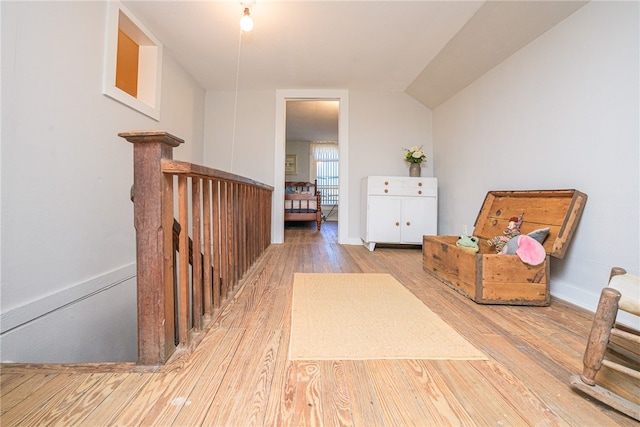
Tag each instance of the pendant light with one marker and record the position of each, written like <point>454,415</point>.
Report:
<point>246,23</point>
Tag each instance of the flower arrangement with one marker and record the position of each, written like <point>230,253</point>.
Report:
<point>415,155</point>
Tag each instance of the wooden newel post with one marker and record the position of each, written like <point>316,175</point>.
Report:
<point>153,221</point>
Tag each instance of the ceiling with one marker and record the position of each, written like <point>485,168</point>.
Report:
<point>427,48</point>
<point>312,120</point>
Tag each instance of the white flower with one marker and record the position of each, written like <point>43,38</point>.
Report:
<point>415,154</point>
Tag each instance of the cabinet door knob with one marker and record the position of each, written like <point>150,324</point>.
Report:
<point>386,183</point>
<point>397,224</point>
<point>419,191</point>
<point>419,184</point>
<point>408,223</point>
<point>386,190</point>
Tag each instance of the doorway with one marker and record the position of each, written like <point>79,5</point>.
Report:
<point>311,142</point>
<point>282,97</point>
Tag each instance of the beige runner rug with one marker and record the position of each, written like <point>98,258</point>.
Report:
<point>367,316</point>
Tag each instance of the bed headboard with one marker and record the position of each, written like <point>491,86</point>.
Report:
<point>291,187</point>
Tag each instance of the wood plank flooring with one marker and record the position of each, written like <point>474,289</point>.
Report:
<point>239,375</point>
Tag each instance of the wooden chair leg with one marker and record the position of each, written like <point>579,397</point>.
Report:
<point>603,322</point>
<point>594,357</point>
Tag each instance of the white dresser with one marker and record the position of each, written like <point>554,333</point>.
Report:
<point>398,210</point>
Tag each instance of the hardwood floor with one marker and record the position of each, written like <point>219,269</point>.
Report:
<point>239,375</point>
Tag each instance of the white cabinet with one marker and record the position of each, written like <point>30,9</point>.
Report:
<point>398,210</point>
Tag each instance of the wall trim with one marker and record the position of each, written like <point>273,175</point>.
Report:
<point>588,300</point>
<point>277,215</point>
<point>36,309</point>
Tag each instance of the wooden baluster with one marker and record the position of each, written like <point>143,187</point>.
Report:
<point>261,216</point>
<point>255,228</point>
<point>244,239</point>
<point>224,242</point>
<point>265,214</point>
<point>253,237</point>
<point>183,261</point>
<point>207,265</point>
<point>217,271</point>
<point>240,236</point>
<point>266,218</point>
<point>236,235</point>
<point>246,224</point>
<point>246,243</point>
<point>230,235</point>
<point>196,269</point>
<point>240,242</point>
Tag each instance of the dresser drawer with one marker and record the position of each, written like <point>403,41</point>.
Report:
<point>419,192</point>
<point>384,181</point>
<point>402,186</point>
<point>386,191</point>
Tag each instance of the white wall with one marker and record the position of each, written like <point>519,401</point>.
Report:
<point>561,113</point>
<point>380,125</point>
<point>246,148</point>
<point>301,149</point>
<point>68,248</point>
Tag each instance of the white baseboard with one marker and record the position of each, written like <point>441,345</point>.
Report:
<point>589,301</point>
<point>21,315</point>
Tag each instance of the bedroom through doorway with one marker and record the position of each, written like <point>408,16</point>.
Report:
<point>312,149</point>
<point>282,98</point>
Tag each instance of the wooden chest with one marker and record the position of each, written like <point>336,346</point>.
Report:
<point>490,278</point>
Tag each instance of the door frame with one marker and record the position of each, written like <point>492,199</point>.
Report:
<point>282,96</point>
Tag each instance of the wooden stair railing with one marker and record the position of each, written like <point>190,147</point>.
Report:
<point>225,218</point>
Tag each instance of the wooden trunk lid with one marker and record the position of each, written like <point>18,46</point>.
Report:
<point>560,210</point>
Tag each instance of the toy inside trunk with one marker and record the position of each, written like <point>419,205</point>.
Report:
<point>490,278</point>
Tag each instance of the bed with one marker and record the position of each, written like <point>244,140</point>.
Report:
<point>302,202</point>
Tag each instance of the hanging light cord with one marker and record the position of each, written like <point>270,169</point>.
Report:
<point>235,101</point>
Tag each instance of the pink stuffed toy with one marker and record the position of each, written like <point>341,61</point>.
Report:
<point>528,247</point>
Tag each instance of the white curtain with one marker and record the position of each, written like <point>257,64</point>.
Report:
<point>321,152</point>
<point>324,151</point>
<point>324,168</point>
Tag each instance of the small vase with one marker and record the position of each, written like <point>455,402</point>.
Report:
<point>415,169</point>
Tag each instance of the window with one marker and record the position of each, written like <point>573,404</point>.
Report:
<point>127,64</point>
<point>324,157</point>
<point>133,64</point>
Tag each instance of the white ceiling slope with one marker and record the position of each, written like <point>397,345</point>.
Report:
<point>495,32</point>
<point>431,49</point>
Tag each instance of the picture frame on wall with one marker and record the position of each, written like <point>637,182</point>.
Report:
<point>291,164</point>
